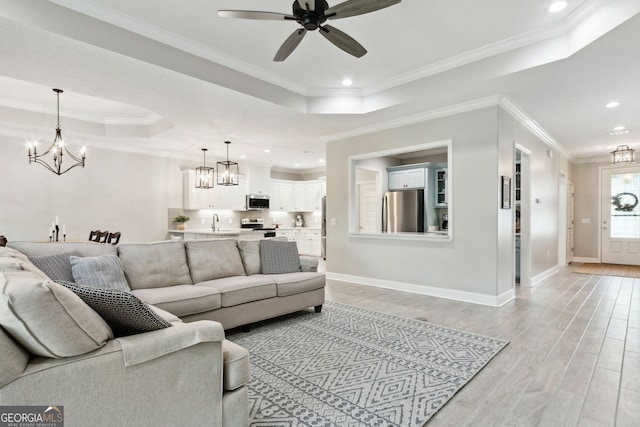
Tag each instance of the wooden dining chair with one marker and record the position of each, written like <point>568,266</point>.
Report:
<point>114,238</point>
<point>94,235</point>
<point>103,236</point>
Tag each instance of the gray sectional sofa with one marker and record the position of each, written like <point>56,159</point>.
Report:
<point>55,350</point>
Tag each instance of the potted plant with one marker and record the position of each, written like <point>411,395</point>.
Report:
<point>181,220</point>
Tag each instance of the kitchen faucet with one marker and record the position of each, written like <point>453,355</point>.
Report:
<point>215,225</point>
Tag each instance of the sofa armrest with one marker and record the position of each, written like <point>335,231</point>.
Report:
<point>142,348</point>
<point>182,387</point>
<point>308,263</point>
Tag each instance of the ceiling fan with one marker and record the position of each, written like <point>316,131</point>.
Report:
<point>311,15</point>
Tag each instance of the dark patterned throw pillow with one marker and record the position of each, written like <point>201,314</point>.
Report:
<point>125,313</point>
<point>278,257</point>
<point>57,267</point>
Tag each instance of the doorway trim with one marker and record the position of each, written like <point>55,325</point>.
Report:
<point>563,220</point>
<point>525,215</point>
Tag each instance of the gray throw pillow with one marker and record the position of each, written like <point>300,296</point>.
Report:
<point>57,267</point>
<point>279,257</point>
<point>103,271</point>
<point>125,313</point>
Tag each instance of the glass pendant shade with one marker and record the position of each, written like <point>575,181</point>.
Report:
<point>57,150</point>
<point>623,154</point>
<point>227,171</point>
<point>204,174</point>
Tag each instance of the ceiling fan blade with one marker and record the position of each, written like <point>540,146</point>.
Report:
<point>303,4</point>
<point>290,44</point>
<point>357,7</point>
<point>250,14</point>
<point>343,41</point>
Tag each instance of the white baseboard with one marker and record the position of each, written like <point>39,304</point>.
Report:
<point>452,294</point>
<point>537,279</point>
<point>585,259</point>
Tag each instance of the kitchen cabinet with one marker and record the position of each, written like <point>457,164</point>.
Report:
<point>441,190</point>
<point>232,197</point>
<point>296,196</point>
<point>259,179</point>
<point>308,241</point>
<point>403,179</point>
<point>219,197</point>
<point>195,198</point>
<point>281,196</point>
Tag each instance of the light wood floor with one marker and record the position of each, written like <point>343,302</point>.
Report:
<point>573,360</point>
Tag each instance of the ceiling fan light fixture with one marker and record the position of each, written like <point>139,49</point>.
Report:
<point>623,154</point>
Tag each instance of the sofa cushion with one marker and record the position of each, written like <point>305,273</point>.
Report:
<point>99,272</point>
<point>181,300</point>
<point>13,359</point>
<point>238,290</point>
<point>250,254</point>
<point>213,259</point>
<point>53,248</point>
<point>48,319</point>
<point>237,369</point>
<point>57,267</point>
<point>297,283</point>
<point>279,257</point>
<point>10,263</point>
<point>154,265</point>
<point>123,311</point>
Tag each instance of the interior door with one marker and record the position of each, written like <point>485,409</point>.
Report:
<point>620,215</point>
<point>369,212</point>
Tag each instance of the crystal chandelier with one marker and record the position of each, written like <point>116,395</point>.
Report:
<point>57,150</point>
<point>204,175</point>
<point>227,170</point>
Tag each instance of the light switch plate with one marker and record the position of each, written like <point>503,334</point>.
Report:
<point>333,221</point>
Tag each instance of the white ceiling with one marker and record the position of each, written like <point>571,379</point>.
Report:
<point>168,77</point>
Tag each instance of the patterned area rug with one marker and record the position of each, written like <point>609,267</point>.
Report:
<point>354,367</point>
<point>609,270</point>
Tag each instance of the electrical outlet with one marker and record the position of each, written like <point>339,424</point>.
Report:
<point>333,221</point>
<point>230,220</point>
<point>202,221</point>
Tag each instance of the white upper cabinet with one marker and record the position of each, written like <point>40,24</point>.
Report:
<point>219,197</point>
<point>258,179</point>
<point>281,196</point>
<point>406,178</point>
<point>195,198</point>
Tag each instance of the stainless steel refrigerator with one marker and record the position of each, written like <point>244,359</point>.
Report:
<point>403,211</point>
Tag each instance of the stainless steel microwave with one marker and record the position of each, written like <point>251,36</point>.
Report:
<point>257,202</point>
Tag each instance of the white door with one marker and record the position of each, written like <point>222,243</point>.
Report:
<point>370,211</point>
<point>620,215</point>
<point>570,223</point>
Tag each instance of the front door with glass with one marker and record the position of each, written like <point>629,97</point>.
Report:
<point>621,215</point>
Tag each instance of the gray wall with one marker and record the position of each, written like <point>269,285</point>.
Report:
<point>116,191</point>
<point>480,259</point>
<point>468,263</point>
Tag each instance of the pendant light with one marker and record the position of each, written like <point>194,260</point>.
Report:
<point>227,170</point>
<point>204,175</point>
<point>57,150</point>
<point>622,154</point>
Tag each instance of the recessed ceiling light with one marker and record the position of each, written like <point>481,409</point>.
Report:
<point>243,156</point>
<point>613,104</point>
<point>267,150</point>
<point>321,160</point>
<point>347,82</point>
<point>557,6</point>
<point>619,130</point>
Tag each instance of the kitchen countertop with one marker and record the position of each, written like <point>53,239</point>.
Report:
<point>234,231</point>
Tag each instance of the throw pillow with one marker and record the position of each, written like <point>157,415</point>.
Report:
<point>250,254</point>
<point>57,267</point>
<point>103,271</point>
<point>48,319</point>
<point>278,257</point>
<point>125,313</point>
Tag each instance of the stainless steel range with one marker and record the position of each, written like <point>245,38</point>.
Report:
<point>257,224</point>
